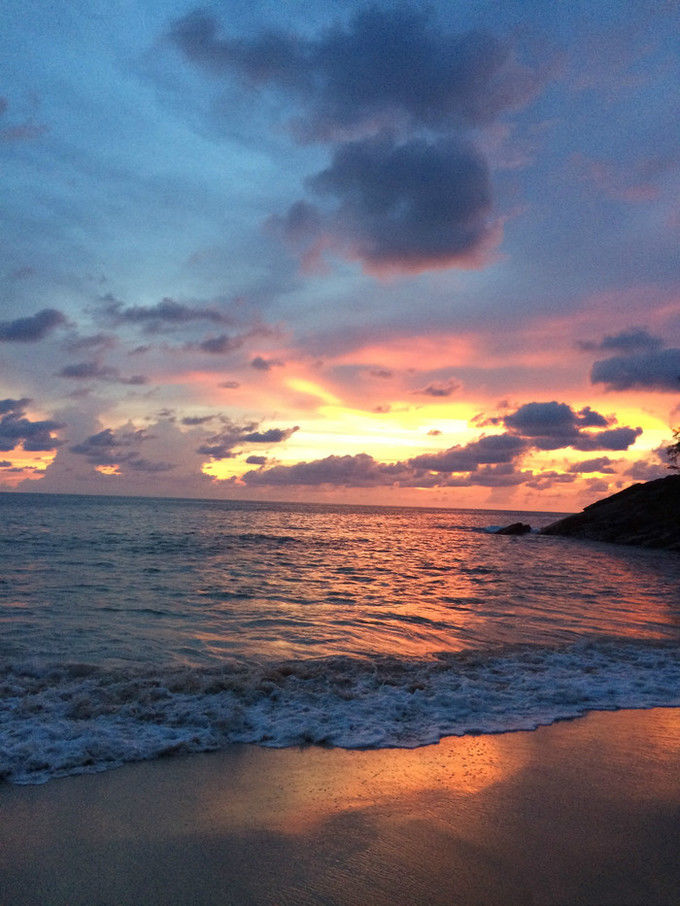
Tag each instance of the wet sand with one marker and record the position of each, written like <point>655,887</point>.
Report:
<point>586,811</point>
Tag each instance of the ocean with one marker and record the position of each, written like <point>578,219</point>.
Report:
<point>139,628</point>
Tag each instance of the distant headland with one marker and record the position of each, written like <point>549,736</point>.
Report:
<point>644,514</point>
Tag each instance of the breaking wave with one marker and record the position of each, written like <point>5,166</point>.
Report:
<point>76,718</point>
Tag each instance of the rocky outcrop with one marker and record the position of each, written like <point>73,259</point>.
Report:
<point>515,528</point>
<point>644,514</point>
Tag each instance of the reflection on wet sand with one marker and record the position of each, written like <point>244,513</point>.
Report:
<point>586,811</point>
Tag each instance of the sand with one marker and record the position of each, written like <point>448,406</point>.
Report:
<point>586,811</point>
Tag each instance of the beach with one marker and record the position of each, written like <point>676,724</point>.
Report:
<point>584,811</point>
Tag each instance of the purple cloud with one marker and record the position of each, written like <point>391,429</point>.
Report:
<point>17,430</point>
<point>399,206</point>
<point>31,329</point>
<point>654,370</point>
<point>386,67</point>
<point>83,371</point>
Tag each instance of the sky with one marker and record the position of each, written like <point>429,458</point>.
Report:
<point>389,253</point>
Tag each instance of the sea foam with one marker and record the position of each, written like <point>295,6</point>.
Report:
<point>75,718</point>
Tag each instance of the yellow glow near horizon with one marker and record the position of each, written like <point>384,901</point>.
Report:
<point>107,470</point>
<point>310,388</point>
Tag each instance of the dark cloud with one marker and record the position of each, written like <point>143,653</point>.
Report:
<point>167,311</point>
<point>360,470</point>
<point>83,371</point>
<point>490,461</point>
<point>637,339</point>
<point>493,449</point>
<point>383,373</point>
<point>230,385</point>
<point>118,448</point>
<point>601,464</point>
<point>503,475</point>
<point>540,419</point>
<point>139,464</point>
<point>546,480</point>
<point>438,389</point>
<point>17,406</point>
<point>553,425</point>
<point>261,364</point>
<point>612,439</point>
<point>221,344</point>
<point>646,470</point>
<point>224,444</point>
<point>588,418</point>
<point>408,207</point>
<point>256,460</point>
<point>272,436</point>
<point>87,370</point>
<point>198,419</point>
<point>17,430</point>
<point>31,329</point>
<point>654,370</point>
<point>393,67</point>
<point>395,93</point>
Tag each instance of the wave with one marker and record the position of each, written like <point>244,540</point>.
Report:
<point>74,718</point>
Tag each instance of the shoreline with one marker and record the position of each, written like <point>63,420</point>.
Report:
<point>583,811</point>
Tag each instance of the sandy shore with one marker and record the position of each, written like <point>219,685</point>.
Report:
<point>581,812</point>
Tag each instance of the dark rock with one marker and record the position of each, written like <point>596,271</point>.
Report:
<point>515,528</point>
<point>644,514</point>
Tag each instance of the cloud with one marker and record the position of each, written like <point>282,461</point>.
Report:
<point>272,436</point>
<point>636,339</point>
<point>31,329</point>
<point>261,364</point>
<point>612,439</point>
<point>360,470</point>
<point>389,67</point>
<point>83,371</point>
<point>94,341</point>
<point>17,406</point>
<point>490,461</point>
<point>646,470</point>
<point>438,389</point>
<point>553,425</point>
<point>221,344</point>
<point>396,95</point>
<point>193,420</point>
<point>167,311</point>
<point>363,471</point>
<point>493,449</point>
<point>635,182</point>
<point>654,370</point>
<point>405,206</point>
<point>121,447</point>
<point>601,464</point>
<point>223,444</point>
<point>256,460</point>
<point>588,418</point>
<point>17,430</point>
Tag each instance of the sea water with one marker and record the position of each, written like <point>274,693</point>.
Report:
<point>136,628</point>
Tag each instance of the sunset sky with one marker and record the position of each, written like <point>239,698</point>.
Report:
<point>329,251</point>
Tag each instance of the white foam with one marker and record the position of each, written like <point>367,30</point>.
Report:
<point>75,719</point>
